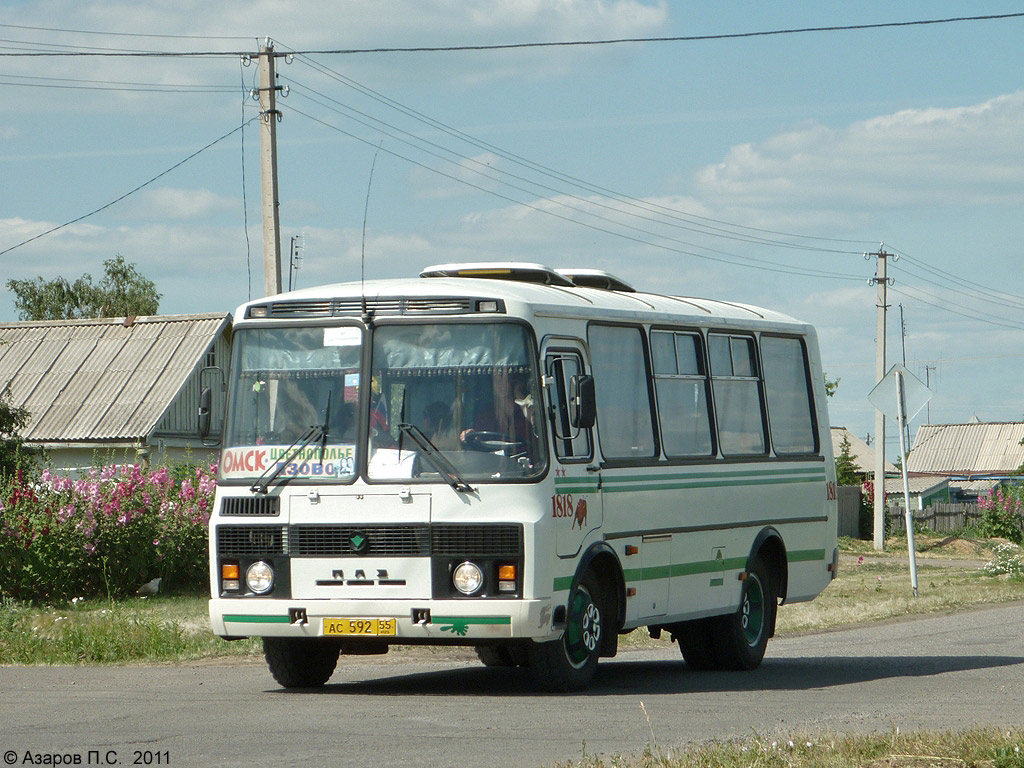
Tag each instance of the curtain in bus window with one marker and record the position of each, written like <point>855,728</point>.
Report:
<point>737,395</point>
<point>623,400</point>
<point>789,399</point>
<point>682,394</point>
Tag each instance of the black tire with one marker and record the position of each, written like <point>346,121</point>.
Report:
<point>495,656</point>
<point>300,663</point>
<point>569,663</point>
<point>740,638</point>
<point>696,642</point>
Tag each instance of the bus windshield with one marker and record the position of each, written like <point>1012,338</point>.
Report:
<point>286,381</point>
<point>470,389</point>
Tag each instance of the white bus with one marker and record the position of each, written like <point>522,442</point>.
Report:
<point>525,460</point>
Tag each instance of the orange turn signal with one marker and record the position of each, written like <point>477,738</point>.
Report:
<point>506,572</point>
<point>230,571</point>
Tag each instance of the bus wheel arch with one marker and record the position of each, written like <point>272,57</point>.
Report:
<point>771,550</point>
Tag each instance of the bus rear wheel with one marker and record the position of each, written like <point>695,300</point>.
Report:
<point>300,663</point>
<point>696,642</point>
<point>569,663</point>
<point>740,638</point>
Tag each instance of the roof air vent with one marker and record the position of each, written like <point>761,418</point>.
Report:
<point>596,278</point>
<point>500,270</point>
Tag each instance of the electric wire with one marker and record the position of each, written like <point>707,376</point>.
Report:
<point>487,171</point>
<point>554,44</point>
<point>539,209</point>
<point>124,34</point>
<point>129,192</point>
<point>984,291</point>
<point>910,291</point>
<point>566,178</point>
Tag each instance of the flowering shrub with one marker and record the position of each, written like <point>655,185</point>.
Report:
<point>1002,514</point>
<point>105,534</point>
<point>1009,559</point>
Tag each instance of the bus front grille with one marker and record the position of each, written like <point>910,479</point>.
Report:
<point>258,540</point>
<point>350,540</point>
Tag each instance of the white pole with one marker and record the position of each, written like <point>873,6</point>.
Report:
<point>902,419</point>
<point>881,279</point>
<point>268,164</point>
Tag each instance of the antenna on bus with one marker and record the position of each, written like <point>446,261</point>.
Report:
<point>367,315</point>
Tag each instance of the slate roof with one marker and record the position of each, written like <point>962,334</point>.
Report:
<point>101,380</point>
<point>863,454</point>
<point>968,450</point>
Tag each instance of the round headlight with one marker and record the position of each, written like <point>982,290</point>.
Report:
<point>468,578</point>
<point>259,577</point>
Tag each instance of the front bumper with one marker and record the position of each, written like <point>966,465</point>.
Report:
<point>417,621</point>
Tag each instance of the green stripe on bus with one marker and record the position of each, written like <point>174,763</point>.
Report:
<point>676,570</point>
<point>805,555</point>
<point>471,619</point>
<point>243,619</point>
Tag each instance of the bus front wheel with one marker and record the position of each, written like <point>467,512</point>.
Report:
<point>301,663</point>
<point>569,663</point>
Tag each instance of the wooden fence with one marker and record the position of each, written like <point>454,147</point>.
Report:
<point>939,517</point>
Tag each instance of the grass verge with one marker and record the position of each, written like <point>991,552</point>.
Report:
<point>974,748</point>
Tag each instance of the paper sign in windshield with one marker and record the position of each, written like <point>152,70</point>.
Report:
<point>250,462</point>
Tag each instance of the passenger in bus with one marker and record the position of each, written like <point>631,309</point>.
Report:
<point>437,425</point>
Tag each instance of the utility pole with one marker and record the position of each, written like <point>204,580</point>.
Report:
<point>928,383</point>
<point>268,170</point>
<point>881,281</point>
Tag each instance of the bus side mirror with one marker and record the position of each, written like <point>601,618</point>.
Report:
<point>205,404</point>
<point>582,402</point>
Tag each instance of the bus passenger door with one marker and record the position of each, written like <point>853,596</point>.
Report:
<point>576,503</point>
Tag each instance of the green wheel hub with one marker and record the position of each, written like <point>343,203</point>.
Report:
<point>583,628</point>
<point>752,611</point>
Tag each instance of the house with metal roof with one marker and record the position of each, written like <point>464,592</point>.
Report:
<point>117,389</point>
<point>972,456</point>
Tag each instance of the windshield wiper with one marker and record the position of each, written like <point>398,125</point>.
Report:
<point>444,467</point>
<point>262,484</point>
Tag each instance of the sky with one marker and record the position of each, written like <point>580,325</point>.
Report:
<point>758,169</point>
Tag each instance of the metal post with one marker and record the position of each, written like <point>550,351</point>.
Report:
<point>268,164</point>
<point>901,417</point>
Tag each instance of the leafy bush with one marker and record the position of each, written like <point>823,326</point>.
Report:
<point>1009,559</point>
<point>1002,514</point>
<point>103,535</point>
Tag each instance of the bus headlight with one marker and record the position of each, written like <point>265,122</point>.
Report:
<point>468,578</point>
<point>259,577</point>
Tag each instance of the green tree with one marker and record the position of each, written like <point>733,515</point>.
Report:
<point>14,454</point>
<point>122,292</point>
<point>831,385</point>
<point>847,470</point>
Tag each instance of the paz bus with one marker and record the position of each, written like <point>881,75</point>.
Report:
<point>524,460</point>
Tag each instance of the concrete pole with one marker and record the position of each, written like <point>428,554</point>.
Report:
<point>268,168</point>
<point>881,281</point>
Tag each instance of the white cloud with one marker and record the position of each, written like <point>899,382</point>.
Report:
<point>174,203</point>
<point>962,156</point>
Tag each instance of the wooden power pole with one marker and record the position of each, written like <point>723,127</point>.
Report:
<point>268,165</point>
<point>881,281</point>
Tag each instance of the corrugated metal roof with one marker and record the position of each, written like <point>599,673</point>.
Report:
<point>916,485</point>
<point>862,453</point>
<point>96,380</point>
<point>968,449</point>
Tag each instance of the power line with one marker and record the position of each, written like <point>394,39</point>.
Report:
<point>126,34</point>
<point>728,230</point>
<point>130,192</point>
<point>552,44</point>
<point>539,209</point>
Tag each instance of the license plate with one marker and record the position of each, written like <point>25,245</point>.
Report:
<point>364,627</point>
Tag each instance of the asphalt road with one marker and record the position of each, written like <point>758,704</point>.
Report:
<point>937,672</point>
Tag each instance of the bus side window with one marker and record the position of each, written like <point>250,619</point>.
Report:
<point>571,443</point>
<point>787,386</point>
<point>682,388</point>
<point>624,414</point>
<point>738,402</point>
